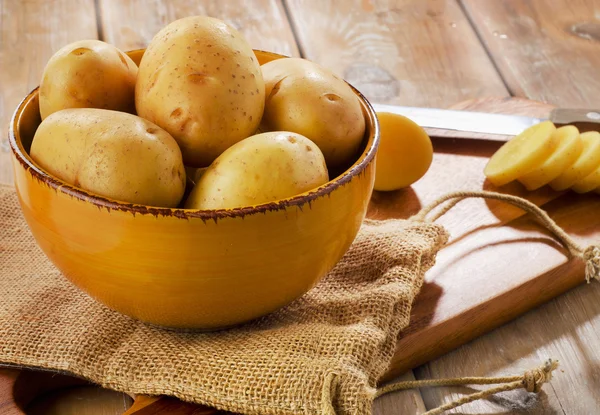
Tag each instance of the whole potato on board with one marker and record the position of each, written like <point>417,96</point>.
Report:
<point>112,154</point>
<point>88,74</point>
<point>308,99</point>
<point>200,81</point>
<point>260,169</point>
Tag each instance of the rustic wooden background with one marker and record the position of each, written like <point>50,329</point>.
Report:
<point>412,52</point>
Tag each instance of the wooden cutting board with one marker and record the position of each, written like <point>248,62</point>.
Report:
<point>498,264</point>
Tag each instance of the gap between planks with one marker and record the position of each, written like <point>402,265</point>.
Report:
<point>484,45</point>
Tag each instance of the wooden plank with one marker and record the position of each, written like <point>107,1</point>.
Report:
<point>88,400</point>
<point>518,342</point>
<point>548,51</point>
<point>406,402</point>
<point>442,307</point>
<point>419,53</point>
<point>443,302</point>
<point>507,270</point>
<point>132,24</point>
<point>30,32</point>
<point>545,50</point>
<point>563,329</point>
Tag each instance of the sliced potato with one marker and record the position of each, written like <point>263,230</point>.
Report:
<point>568,149</point>
<point>405,152</point>
<point>586,163</point>
<point>588,183</point>
<point>522,154</point>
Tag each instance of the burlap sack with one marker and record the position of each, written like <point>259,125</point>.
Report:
<point>338,338</point>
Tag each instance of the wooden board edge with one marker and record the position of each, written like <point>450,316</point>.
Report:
<point>419,350</point>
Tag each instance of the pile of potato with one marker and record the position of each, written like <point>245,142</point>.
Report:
<point>200,102</point>
<point>545,155</point>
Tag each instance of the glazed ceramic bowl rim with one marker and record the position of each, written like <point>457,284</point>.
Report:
<point>357,168</point>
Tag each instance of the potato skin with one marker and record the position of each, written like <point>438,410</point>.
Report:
<point>308,99</point>
<point>112,154</point>
<point>88,74</point>
<point>260,169</point>
<point>200,81</point>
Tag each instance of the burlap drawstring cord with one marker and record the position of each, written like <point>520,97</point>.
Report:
<point>531,380</point>
<point>591,254</point>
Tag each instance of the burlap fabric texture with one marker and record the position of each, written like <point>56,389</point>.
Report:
<point>338,338</point>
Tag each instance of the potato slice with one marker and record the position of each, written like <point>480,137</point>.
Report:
<point>586,163</point>
<point>522,154</point>
<point>588,183</point>
<point>568,149</point>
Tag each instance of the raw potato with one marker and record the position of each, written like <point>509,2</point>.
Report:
<point>112,154</point>
<point>568,149</point>
<point>88,74</point>
<point>588,183</point>
<point>308,99</point>
<point>200,81</point>
<point>260,169</point>
<point>586,163</point>
<point>522,154</point>
<point>405,152</point>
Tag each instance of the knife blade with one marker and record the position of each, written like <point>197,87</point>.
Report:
<point>487,123</point>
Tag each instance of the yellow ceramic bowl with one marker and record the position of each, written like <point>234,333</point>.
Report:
<point>189,268</point>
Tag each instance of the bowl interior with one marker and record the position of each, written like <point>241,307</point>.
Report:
<point>27,119</point>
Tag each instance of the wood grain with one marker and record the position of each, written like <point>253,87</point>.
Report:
<point>131,24</point>
<point>443,304</point>
<point>36,393</point>
<point>410,52</point>
<point>30,32</point>
<point>488,268</point>
<point>562,329</point>
<point>88,400</point>
<point>404,402</point>
<point>545,50</point>
<point>8,405</point>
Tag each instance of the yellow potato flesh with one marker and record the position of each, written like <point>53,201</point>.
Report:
<point>260,169</point>
<point>405,152</point>
<point>586,163</point>
<point>522,154</point>
<point>111,154</point>
<point>588,183</point>
<point>568,149</point>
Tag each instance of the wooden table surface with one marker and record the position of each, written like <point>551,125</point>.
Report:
<point>411,52</point>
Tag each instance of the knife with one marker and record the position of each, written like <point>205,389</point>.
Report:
<point>481,122</point>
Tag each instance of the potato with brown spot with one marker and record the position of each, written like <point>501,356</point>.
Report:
<point>308,99</point>
<point>260,169</point>
<point>112,154</point>
<point>192,73</point>
<point>88,74</point>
